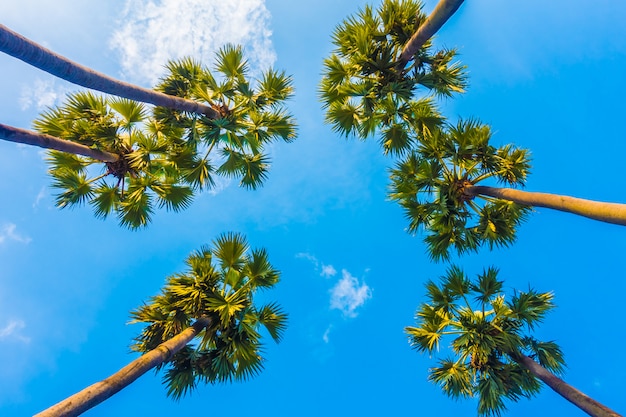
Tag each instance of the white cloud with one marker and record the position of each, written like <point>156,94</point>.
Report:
<point>348,294</point>
<point>12,331</point>
<point>8,232</point>
<point>155,31</point>
<point>328,271</point>
<point>41,94</point>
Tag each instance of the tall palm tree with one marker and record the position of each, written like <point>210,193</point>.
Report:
<point>30,52</point>
<point>362,88</point>
<point>438,185</point>
<point>163,158</point>
<point>492,356</point>
<point>212,303</point>
<point>27,137</point>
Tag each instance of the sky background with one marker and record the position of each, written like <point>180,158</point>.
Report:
<point>548,76</point>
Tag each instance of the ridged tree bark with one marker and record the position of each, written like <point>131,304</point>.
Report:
<point>17,46</point>
<point>100,391</point>
<point>15,134</point>
<point>571,394</point>
<point>597,210</point>
<point>443,11</point>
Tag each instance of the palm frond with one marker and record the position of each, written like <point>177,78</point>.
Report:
<point>274,319</point>
<point>231,63</point>
<point>77,189</point>
<point>136,208</point>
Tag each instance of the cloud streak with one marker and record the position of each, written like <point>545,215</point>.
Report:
<point>154,32</point>
<point>7,232</point>
<point>12,331</point>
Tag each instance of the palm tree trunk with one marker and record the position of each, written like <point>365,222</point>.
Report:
<point>14,134</point>
<point>100,391</point>
<point>17,46</point>
<point>571,394</point>
<point>443,11</point>
<point>597,210</point>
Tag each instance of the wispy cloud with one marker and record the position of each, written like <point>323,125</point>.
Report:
<point>12,331</point>
<point>349,294</point>
<point>41,94</point>
<point>154,32</point>
<point>40,196</point>
<point>7,232</point>
<point>326,271</point>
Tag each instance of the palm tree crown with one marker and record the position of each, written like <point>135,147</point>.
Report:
<point>144,174</point>
<point>166,156</point>
<point>364,90</point>
<point>250,116</point>
<point>489,335</point>
<point>219,285</point>
<point>431,184</point>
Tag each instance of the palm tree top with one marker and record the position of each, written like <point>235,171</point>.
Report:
<point>362,88</point>
<point>478,331</point>
<point>219,286</point>
<point>431,183</point>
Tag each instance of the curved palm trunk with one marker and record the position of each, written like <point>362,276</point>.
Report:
<point>443,11</point>
<point>17,46</point>
<point>571,394</point>
<point>14,134</point>
<point>606,212</point>
<point>100,391</point>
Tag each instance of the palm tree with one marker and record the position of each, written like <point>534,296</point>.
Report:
<point>164,158</point>
<point>144,174</point>
<point>492,356</point>
<point>362,88</point>
<point>27,137</point>
<point>212,302</point>
<point>28,51</point>
<point>438,186</point>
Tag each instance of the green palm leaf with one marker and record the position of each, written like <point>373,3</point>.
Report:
<point>230,62</point>
<point>274,319</point>
<point>106,200</point>
<point>77,189</point>
<point>454,378</point>
<point>132,112</point>
<point>136,209</point>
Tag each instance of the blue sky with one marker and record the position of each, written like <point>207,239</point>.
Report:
<point>546,75</point>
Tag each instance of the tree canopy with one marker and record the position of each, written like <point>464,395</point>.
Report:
<point>166,156</point>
